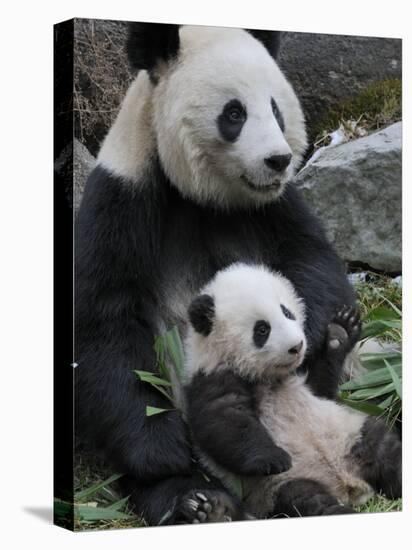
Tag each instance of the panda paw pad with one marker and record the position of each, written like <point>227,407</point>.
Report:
<point>344,330</point>
<point>209,507</point>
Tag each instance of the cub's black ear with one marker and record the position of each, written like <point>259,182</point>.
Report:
<point>148,43</point>
<point>202,313</point>
<point>270,39</point>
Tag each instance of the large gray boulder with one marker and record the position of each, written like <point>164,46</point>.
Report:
<point>83,164</point>
<point>355,188</point>
<point>73,166</point>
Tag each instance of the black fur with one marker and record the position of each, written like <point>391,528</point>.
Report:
<point>288,314</point>
<point>223,415</point>
<point>201,314</point>
<point>134,245</point>
<point>270,39</point>
<point>168,500</point>
<point>306,497</point>
<point>149,43</point>
<point>379,452</point>
<point>278,115</point>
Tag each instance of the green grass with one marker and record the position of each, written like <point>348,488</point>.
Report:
<point>381,504</point>
<point>375,107</point>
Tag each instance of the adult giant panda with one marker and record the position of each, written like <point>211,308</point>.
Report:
<point>191,177</point>
<point>247,407</point>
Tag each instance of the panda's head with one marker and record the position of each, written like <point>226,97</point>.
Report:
<point>229,129</point>
<point>248,319</point>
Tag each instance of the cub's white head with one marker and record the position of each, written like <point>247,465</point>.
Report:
<point>225,122</point>
<point>248,319</point>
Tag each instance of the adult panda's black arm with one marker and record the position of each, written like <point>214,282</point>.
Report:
<point>223,417</point>
<point>116,265</point>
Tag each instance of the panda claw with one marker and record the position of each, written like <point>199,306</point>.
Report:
<point>201,496</point>
<point>193,504</point>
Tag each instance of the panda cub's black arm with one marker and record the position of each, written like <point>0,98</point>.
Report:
<point>222,415</point>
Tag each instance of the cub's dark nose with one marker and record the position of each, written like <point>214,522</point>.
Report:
<point>296,349</point>
<point>278,162</point>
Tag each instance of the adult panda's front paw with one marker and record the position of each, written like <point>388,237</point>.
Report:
<point>210,506</point>
<point>344,330</point>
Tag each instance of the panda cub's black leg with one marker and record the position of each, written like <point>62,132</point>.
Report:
<point>306,497</point>
<point>379,454</point>
<point>343,332</point>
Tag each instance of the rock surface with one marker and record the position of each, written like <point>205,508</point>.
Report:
<point>356,189</point>
<point>74,166</point>
<point>326,69</point>
<point>83,164</point>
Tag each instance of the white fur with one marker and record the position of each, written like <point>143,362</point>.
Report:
<point>214,65</point>
<point>317,433</point>
<point>129,146</point>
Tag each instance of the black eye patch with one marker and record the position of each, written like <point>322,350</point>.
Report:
<point>231,120</point>
<point>278,115</point>
<point>261,332</point>
<point>287,313</point>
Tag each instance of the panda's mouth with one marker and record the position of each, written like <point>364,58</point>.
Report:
<point>261,188</point>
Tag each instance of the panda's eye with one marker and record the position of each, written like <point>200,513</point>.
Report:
<point>235,115</point>
<point>235,112</point>
<point>231,120</point>
<point>261,332</point>
<point>287,313</point>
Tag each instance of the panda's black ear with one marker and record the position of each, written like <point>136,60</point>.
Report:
<point>270,39</point>
<point>149,43</point>
<point>202,313</point>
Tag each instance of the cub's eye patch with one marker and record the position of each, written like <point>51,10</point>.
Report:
<point>277,114</point>
<point>231,120</point>
<point>261,332</point>
<point>287,313</point>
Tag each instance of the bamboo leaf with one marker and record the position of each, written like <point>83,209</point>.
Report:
<point>374,378</point>
<point>379,327</point>
<point>151,378</point>
<point>151,411</point>
<point>371,393</point>
<point>363,406</point>
<point>396,380</point>
<point>92,513</point>
<point>86,493</point>
<point>381,313</point>
<point>175,350</point>
<point>119,504</point>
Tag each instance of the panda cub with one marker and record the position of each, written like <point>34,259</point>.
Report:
<point>252,415</point>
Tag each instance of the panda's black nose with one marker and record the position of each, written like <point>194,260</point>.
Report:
<point>296,349</point>
<point>278,162</point>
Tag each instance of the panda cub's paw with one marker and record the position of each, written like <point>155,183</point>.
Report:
<point>276,462</point>
<point>344,330</point>
<point>210,506</point>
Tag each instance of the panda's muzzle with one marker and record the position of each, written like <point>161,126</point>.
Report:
<point>261,188</point>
